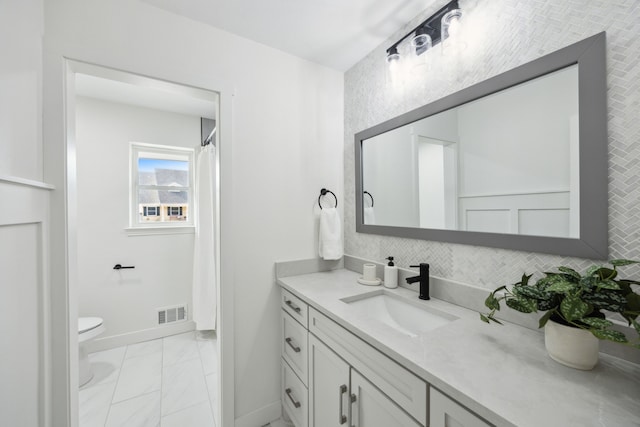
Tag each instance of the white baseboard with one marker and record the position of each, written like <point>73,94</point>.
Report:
<point>114,341</point>
<point>261,416</point>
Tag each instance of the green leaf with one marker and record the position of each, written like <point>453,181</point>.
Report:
<point>610,335</point>
<point>633,301</point>
<point>622,262</point>
<point>492,302</point>
<point>596,322</point>
<point>525,279</point>
<point>552,303</point>
<point>607,273</point>
<point>544,319</point>
<point>570,271</point>
<point>611,301</point>
<point>636,325</point>
<point>591,270</point>
<point>561,287</point>
<point>573,308</point>
<point>529,292</point>
<point>484,318</point>
<point>524,305</point>
<point>608,284</point>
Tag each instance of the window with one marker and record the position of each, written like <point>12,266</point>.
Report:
<point>151,210</point>
<point>161,186</point>
<point>174,210</point>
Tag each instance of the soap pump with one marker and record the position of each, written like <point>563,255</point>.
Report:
<point>390,274</point>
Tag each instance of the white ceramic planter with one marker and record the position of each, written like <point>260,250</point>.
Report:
<point>572,347</point>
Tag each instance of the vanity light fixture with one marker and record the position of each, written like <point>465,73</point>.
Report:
<point>430,32</point>
<point>392,55</point>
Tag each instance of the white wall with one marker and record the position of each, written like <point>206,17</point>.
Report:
<point>21,28</point>
<point>390,175</point>
<point>526,142</point>
<point>287,142</point>
<point>125,299</point>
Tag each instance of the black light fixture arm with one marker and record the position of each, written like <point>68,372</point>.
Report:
<point>431,26</point>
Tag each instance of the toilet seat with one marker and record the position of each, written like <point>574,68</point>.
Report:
<point>89,327</point>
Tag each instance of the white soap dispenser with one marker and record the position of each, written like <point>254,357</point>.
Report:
<point>390,274</point>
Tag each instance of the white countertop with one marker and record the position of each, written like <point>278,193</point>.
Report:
<point>502,373</point>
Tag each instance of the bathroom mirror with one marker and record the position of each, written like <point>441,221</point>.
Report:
<point>518,161</point>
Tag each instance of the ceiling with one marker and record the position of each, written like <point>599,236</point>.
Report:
<point>334,33</point>
<point>141,91</point>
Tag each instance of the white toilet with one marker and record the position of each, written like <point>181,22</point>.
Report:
<point>88,328</point>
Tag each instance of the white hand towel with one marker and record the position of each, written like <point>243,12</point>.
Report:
<point>330,239</point>
<point>369,216</point>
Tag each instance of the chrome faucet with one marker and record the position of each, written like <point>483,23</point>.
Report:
<point>423,278</point>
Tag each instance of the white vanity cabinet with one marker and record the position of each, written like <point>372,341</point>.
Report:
<point>332,378</point>
<point>340,396</point>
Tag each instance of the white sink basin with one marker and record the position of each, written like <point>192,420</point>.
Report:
<point>408,317</point>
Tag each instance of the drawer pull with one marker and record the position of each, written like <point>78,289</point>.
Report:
<point>292,305</point>
<point>341,417</point>
<point>354,416</point>
<point>296,404</point>
<point>295,348</point>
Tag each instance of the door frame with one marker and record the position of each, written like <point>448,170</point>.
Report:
<point>63,248</point>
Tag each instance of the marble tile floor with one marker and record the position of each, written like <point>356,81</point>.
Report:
<point>160,383</point>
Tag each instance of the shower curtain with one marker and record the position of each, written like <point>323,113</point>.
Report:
<point>204,259</point>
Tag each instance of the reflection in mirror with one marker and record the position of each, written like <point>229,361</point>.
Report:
<point>505,163</point>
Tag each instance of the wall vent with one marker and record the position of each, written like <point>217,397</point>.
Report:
<point>172,314</point>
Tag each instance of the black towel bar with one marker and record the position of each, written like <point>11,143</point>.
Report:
<point>121,267</point>
<point>366,192</point>
<point>323,192</point>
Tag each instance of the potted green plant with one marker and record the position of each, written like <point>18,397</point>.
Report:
<point>576,308</point>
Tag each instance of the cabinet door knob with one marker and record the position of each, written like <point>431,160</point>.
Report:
<point>295,403</point>
<point>295,348</point>
<point>341,417</point>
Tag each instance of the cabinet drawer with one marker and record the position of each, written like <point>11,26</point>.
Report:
<point>295,307</point>
<point>294,346</point>
<point>446,412</point>
<point>403,387</point>
<point>294,397</point>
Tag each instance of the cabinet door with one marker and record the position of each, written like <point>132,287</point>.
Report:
<point>445,412</point>
<point>372,408</point>
<point>328,386</point>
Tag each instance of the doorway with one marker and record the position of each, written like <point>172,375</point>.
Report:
<point>150,349</point>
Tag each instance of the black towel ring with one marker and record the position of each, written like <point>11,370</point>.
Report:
<point>324,192</point>
<point>369,194</point>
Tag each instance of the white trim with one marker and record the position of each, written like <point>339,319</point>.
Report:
<point>27,182</point>
<point>30,209</point>
<point>262,416</point>
<point>114,341</point>
<point>514,193</point>
<point>226,248</point>
<point>154,231</point>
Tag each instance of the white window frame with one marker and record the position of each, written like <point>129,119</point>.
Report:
<point>136,227</point>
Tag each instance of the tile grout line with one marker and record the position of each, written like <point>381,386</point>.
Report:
<point>116,386</point>
<point>204,376</point>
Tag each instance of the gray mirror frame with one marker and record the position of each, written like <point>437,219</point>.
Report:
<point>590,55</point>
